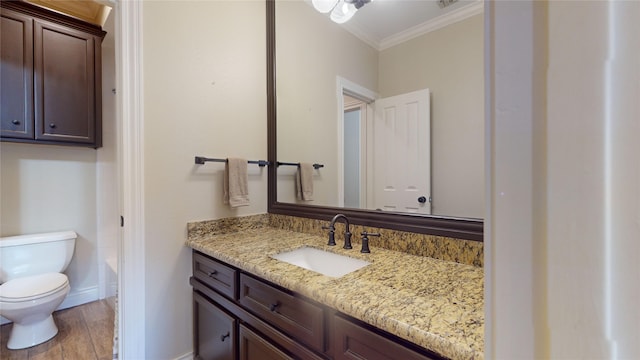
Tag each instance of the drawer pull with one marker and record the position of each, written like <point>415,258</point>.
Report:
<point>15,122</point>
<point>273,307</point>
<point>210,274</point>
<point>223,337</point>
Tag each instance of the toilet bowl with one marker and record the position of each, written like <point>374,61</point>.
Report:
<point>33,284</point>
<point>29,303</point>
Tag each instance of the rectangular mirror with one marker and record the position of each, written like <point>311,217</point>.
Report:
<point>395,119</point>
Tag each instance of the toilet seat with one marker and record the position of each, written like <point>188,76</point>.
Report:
<point>32,287</point>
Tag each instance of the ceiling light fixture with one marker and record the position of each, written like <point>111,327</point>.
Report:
<point>341,10</point>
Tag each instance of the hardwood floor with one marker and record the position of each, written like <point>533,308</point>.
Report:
<point>84,332</point>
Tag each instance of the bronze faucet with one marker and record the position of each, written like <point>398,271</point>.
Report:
<point>332,230</point>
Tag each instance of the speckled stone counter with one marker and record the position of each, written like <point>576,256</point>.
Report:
<point>433,303</point>
<point>437,247</point>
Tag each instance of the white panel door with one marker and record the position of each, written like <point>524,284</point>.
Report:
<point>401,153</point>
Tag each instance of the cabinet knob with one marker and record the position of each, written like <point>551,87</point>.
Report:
<point>52,125</point>
<point>273,307</point>
<point>223,337</point>
<point>213,272</point>
<point>15,122</point>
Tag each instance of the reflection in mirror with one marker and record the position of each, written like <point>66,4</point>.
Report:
<point>394,124</point>
<point>303,132</point>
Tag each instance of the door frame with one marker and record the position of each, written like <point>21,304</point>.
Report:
<point>344,86</point>
<point>130,126</point>
<point>361,108</point>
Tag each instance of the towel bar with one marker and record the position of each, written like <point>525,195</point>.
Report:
<point>315,166</point>
<point>201,160</point>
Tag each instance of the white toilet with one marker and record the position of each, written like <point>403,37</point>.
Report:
<point>33,284</point>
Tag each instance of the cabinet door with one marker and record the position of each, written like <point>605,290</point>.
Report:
<point>65,102</point>
<point>214,331</point>
<point>16,75</point>
<point>254,347</point>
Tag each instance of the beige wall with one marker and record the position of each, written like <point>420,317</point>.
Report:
<point>204,94</point>
<point>47,188</point>
<point>307,66</point>
<point>449,62</point>
<point>108,210</point>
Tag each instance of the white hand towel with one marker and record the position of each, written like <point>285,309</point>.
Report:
<point>236,183</point>
<point>304,182</point>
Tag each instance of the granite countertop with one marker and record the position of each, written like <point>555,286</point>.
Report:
<point>433,303</point>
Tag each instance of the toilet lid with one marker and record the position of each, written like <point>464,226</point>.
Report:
<point>32,287</point>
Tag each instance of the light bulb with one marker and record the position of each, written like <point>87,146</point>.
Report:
<point>324,6</point>
<point>343,12</point>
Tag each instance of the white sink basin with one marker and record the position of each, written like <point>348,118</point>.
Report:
<point>320,261</point>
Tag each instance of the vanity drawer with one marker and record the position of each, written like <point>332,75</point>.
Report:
<point>299,318</point>
<point>354,342</point>
<point>216,275</point>
<point>254,347</point>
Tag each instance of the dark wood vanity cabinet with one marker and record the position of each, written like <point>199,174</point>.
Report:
<point>240,316</point>
<point>354,342</point>
<point>255,347</point>
<point>216,275</point>
<point>215,330</point>
<point>291,314</point>
<point>16,75</point>
<point>51,73</point>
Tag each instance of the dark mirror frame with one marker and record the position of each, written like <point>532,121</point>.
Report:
<point>462,228</point>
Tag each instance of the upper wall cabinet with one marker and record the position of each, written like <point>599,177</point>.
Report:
<point>50,77</point>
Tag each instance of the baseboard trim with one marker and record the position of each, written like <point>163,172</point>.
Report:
<point>79,297</point>
<point>187,356</point>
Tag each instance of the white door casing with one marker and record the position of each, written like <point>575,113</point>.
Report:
<point>130,129</point>
<point>346,87</point>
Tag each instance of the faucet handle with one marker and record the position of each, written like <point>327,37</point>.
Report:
<point>332,240</point>
<point>365,240</point>
<point>367,234</point>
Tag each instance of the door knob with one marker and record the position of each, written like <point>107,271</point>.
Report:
<point>422,199</point>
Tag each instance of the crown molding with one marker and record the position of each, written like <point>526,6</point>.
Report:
<point>475,8</point>
<point>439,22</point>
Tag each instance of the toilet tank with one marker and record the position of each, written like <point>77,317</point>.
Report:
<point>34,254</point>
